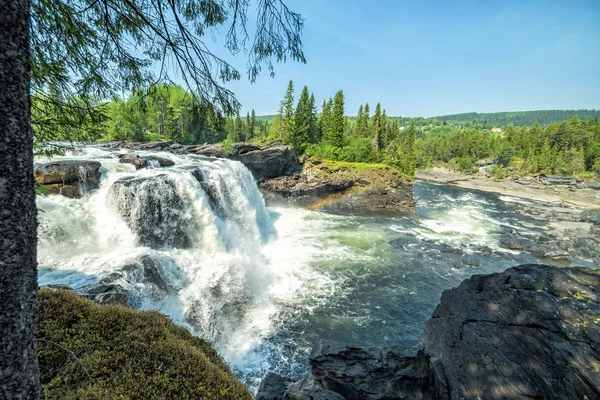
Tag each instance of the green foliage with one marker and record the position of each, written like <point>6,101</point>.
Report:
<point>519,118</point>
<point>84,53</point>
<point>87,351</point>
<point>337,124</point>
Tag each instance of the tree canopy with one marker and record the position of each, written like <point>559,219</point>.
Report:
<point>86,51</point>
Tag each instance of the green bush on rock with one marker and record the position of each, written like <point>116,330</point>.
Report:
<point>87,351</point>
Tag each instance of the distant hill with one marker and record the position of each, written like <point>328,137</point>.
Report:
<point>520,118</point>
<point>499,119</point>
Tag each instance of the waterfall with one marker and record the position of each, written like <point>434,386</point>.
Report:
<point>185,240</point>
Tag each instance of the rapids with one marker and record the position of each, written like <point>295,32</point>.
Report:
<point>264,284</point>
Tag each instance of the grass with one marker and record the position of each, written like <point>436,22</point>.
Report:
<point>87,351</point>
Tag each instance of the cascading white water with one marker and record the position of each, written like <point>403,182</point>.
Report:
<point>196,242</point>
<point>200,225</point>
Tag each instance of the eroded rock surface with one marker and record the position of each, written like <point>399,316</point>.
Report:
<point>530,332</point>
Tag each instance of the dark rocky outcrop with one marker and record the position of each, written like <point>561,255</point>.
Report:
<point>530,332</point>
<point>267,162</point>
<point>153,209</point>
<point>558,180</point>
<point>116,287</point>
<point>345,187</point>
<point>70,178</point>
<point>208,150</point>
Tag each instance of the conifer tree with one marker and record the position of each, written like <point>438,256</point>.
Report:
<point>394,133</point>
<point>314,133</point>
<point>247,129</point>
<point>362,123</point>
<point>252,125</point>
<point>367,116</point>
<point>338,121</point>
<point>376,140</point>
<point>300,134</point>
<point>288,114</point>
<point>409,159</point>
<point>326,120</point>
<point>384,130</point>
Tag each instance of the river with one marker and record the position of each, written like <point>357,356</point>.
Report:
<point>265,283</point>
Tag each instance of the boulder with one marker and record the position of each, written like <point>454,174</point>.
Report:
<point>370,373</point>
<point>71,178</point>
<point>145,161</point>
<point>140,274</point>
<point>528,332</point>
<point>269,162</point>
<point>68,171</point>
<point>154,210</point>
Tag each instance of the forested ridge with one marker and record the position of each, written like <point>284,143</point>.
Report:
<point>168,112</point>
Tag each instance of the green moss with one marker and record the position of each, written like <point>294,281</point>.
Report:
<point>42,190</point>
<point>87,351</point>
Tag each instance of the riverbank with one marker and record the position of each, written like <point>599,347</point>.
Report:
<point>527,188</point>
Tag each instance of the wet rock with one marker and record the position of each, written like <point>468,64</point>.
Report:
<point>137,278</point>
<point>155,145</point>
<point>529,332</point>
<point>370,373</point>
<point>155,211</point>
<point>106,293</point>
<point>134,159</point>
<point>210,187</point>
<point>273,387</point>
<point>70,178</point>
<point>511,243</point>
<point>146,161</point>
<point>67,171</point>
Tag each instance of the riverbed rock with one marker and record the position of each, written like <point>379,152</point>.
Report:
<point>530,332</point>
<point>145,161</point>
<point>554,180</point>
<point>592,216</point>
<point>155,211</point>
<point>70,178</point>
<point>141,277</point>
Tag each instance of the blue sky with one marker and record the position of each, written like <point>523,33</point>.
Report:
<point>427,58</point>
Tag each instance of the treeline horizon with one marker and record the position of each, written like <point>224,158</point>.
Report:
<point>325,130</point>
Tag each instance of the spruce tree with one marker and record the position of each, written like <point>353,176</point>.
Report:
<point>326,120</point>
<point>247,132</point>
<point>314,134</point>
<point>288,114</point>
<point>367,117</point>
<point>409,159</point>
<point>300,134</point>
<point>376,140</point>
<point>383,130</point>
<point>252,125</point>
<point>338,121</point>
<point>362,123</point>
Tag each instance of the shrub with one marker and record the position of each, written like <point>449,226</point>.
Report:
<point>87,351</point>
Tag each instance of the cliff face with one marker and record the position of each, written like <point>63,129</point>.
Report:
<point>532,331</point>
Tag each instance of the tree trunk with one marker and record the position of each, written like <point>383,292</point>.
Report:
<point>19,373</point>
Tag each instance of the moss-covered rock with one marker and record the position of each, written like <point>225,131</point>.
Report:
<point>87,351</point>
